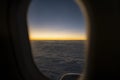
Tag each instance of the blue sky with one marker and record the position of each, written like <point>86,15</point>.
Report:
<point>55,19</point>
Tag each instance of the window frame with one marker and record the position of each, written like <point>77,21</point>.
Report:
<point>19,37</point>
<point>19,46</point>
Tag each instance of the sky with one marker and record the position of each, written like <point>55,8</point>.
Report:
<point>55,20</point>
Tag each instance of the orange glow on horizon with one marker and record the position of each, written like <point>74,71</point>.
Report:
<point>58,38</point>
<point>55,39</point>
<point>55,35</point>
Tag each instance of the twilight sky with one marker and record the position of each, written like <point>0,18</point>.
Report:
<point>55,20</point>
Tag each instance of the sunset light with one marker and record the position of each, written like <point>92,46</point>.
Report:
<point>51,34</point>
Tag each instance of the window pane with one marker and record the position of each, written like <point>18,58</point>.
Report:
<point>57,34</point>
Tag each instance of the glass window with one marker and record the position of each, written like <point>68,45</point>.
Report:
<point>57,34</point>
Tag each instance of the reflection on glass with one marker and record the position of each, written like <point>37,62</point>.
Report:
<point>57,34</point>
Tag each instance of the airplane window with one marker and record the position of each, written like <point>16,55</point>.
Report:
<point>57,34</point>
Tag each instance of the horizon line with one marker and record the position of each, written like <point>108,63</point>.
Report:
<point>69,38</point>
<point>56,40</point>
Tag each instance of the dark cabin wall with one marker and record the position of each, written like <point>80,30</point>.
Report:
<point>104,45</point>
<point>8,68</point>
